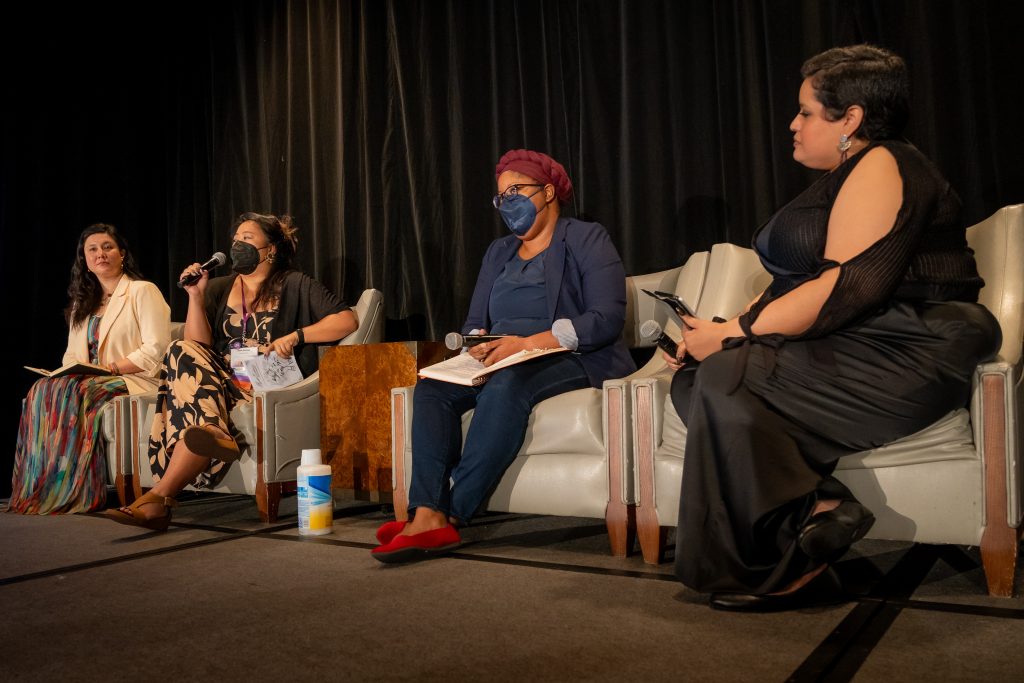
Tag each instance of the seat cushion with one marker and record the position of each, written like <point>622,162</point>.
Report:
<point>948,439</point>
<point>570,423</point>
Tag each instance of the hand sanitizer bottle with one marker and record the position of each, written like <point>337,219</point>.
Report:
<point>316,505</point>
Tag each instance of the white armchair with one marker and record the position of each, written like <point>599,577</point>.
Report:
<point>277,425</point>
<point>958,481</point>
<point>733,278</point>
<point>576,459</point>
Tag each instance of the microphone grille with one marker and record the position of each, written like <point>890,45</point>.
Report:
<point>453,340</point>
<point>650,329</point>
<point>220,258</point>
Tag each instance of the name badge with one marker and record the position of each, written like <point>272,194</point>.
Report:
<point>238,358</point>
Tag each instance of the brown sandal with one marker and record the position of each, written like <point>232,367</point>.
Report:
<point>133,517</point>
<point>202,441</point>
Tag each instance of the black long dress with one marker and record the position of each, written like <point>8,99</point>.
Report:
<point>893,350</point>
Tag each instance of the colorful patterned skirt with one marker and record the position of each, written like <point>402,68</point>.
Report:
<point>60,463</point>
<point>196,388</point>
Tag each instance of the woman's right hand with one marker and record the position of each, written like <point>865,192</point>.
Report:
<point>480,350</point>
<point>199,286</point>
<point>676,362</point>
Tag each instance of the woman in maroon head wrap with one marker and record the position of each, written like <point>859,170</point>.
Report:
<point>555,282</point>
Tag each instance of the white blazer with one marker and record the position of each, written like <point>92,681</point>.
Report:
<point>136,326</point>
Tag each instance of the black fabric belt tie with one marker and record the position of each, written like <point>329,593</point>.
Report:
<point>769,343</point>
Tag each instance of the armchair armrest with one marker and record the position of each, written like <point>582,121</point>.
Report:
<point>292,416</point>
<point>369,315</point>
<point>117,433</point>
<point>994,415</point>
<point>650,396</point>
<point>995,403</point>
<point>140,407</point>
<point>401,449</point>
<point>617,422</point>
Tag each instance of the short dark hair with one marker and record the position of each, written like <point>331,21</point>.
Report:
<point>864,75</point>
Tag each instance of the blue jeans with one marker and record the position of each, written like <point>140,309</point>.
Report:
<point>496,434</point>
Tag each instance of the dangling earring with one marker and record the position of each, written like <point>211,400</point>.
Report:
<point>844,147</point>
<point>270,257</point>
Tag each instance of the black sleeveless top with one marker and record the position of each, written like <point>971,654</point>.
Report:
<point>924,257</point>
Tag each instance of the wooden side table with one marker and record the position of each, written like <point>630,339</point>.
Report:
<point>355,410</point>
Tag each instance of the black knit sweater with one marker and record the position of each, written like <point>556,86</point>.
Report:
<point>924,257</point>
<point>303,301</point>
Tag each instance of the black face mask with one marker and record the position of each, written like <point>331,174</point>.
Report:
<point>244,257</point>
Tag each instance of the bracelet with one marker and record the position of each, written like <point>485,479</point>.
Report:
<point>301,335</point>
<point>114,370</point>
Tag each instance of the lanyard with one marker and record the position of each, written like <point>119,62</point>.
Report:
<point>245,314</point>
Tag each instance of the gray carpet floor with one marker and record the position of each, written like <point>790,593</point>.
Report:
<point>221,596</point>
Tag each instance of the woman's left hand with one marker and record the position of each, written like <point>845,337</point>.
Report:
<point>283,346</point>
<point>705,336</point>
<point>501,349</point>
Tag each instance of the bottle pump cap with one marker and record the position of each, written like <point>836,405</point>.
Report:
<point>311,456</point>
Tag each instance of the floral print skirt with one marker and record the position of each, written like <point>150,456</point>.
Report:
<point>196,388</point>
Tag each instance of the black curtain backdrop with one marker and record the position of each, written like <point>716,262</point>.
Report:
<point>377,126</point>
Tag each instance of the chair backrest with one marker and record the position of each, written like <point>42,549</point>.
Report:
<point>998,244</point>
<point>686,281</point>
<point>370,312</point>
<point>735,277</point>
<point>716,283</point>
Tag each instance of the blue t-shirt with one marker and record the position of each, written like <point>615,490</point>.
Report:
<point>519,302</point>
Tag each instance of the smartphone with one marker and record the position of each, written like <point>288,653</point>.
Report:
<point>674,302</point>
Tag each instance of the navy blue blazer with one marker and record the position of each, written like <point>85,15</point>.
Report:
<point>586,283</point>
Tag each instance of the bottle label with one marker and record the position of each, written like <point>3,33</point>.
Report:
<point>316,506</point>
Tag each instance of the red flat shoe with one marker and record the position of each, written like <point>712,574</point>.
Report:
<point>418,546</point>
<point>387,531</point>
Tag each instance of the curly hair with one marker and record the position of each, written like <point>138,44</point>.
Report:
<point>85,294</point>
<point>281,231</point>
<point>864,75</point>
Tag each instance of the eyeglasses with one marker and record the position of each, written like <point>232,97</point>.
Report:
<point>512,191</point>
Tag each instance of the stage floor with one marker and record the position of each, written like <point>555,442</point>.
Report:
<point>223,596</point>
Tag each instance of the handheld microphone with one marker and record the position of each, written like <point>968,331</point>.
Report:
<point>455,341</point>
<point>218,259</point>
<point>652,330</point>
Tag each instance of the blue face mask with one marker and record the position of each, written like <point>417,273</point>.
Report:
<point>519,213</point>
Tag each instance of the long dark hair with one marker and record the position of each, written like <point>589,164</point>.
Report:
<point>281,232</point>
<point>85,292</point>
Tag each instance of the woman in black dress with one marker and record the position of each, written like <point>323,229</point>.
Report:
<point>868,333</point>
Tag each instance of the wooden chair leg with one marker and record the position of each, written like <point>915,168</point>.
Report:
<point>652,535</point>
<point>999,541</point>
<point>125,489</point>
<point>621,522</point>
<point>268,499</point>
<point>999,547</point>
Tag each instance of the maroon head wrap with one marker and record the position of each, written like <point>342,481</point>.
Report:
<point>538,166</point>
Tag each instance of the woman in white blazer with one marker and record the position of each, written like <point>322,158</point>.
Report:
<point>119,323</point>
